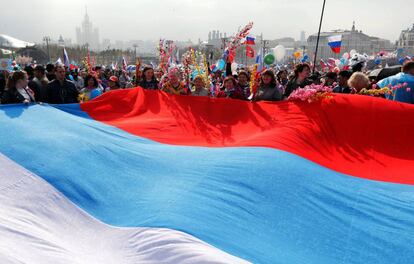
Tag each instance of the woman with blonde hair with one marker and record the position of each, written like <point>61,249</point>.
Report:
<point>358,81</point>
<point>199,86</point>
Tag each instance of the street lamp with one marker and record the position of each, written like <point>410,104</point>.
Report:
<point>265,45</point>
<point>47,40</point>
<point>135,50</point>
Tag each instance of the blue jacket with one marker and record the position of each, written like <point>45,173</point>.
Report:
<point>400,95</point>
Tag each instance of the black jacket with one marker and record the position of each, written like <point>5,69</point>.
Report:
<point>12,97</point>
<point>61,94</point>
<point>151,85</point>
<point>293,85</point>
<point>268,93</point>
<point>339,89</point>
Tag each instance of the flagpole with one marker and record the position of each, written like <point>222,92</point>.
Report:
<point>319,35</point>
<point>245,53</point>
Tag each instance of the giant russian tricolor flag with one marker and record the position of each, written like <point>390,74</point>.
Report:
<point>335,42</point>
<point>139,176</point>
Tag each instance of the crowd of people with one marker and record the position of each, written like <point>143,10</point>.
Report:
<point>56,84</point>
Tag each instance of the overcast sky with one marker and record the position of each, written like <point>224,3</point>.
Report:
<point>30,20</point>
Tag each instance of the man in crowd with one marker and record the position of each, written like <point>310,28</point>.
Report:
<point>41,82</point>
<point>343,87</point>
<point>50,72</point>
<point>61,90</point>
<point>329,79</point>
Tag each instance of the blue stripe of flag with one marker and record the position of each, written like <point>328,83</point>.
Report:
<point>335,44</point>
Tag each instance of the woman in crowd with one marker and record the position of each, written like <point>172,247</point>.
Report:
<point>358,81</point>
<point>91,89</point>
<point>78,80</point>
<point>282,77</point>
<point>199,86</point>
<point>174,85</point>
<point>302,72</point>
<point>158,73</point>
<point>243,83</point>
<point>268,88</point>
<point>113,83</point>
<point>149,81</point>
<point>230,89</point>
<point>16,89</point>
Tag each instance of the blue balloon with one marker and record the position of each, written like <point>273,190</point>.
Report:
<point>95,93</point>
<point>401,60</point>
<point>377,61</point>
<point>221,64</point>
<point>306,57</point>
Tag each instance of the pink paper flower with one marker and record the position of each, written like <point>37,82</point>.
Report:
<point>310,93</point>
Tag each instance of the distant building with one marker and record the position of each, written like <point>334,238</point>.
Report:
<point>216,39</point>
<point>302,38</point>
<point>68,42</point>
<point>351,39</point>
<point>286,42</point>
<point>61,41</point>
<point>106,43</point>
<point>406,41</point>
<point>86,34</point>
<point>119,44</point>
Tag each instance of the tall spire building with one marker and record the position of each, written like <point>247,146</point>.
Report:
<point>87,34</point>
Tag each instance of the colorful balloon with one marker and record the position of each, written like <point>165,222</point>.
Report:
<point>279,51</point>
<point>269,59</point>
<point>297,54</point>
<point>221,64</point>
<point>346,56</point>
<point>234,67</point>
<point>337,62</point>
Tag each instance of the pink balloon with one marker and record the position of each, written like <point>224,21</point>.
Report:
<point>337,62</point>
<point>346,56</point>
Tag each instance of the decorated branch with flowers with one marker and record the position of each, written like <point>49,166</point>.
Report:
<point>311,93</point>
<point>387,90</point>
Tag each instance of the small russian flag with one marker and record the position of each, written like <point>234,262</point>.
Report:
<point>124,64</point>
<point>335,43</point>
<point>250,40</point>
